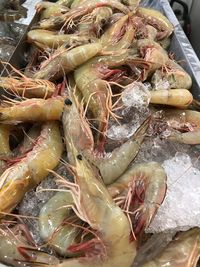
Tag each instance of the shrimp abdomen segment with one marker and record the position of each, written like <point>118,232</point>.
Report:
<point>33,110</point>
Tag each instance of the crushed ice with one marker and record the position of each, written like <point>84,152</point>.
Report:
<point>136,95</point>
<point>135,102</point>
<point>181,207</point>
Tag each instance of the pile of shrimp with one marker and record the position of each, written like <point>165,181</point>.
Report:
<point>54,121</point>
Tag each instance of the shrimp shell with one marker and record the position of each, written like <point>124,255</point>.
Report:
<point>32,169</point>
<point>33,110</point>
<point>65,61</point>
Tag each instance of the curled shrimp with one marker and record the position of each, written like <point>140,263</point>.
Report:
<point>16,247</point>
<point>52,226</point>
<point>33,110</point>
<point>96,91</point>
<point>93,204</point>
<point>180,98</point>
<point>174,74</point>
<point>157,20</point>
<point>48,39</point>
<point>30,170</point>
<point>111,166</point>
<point>184,250</point>
<point>184,126</point>
<point>65,61</point>
<point>140,191</point>
<point>27,87</point>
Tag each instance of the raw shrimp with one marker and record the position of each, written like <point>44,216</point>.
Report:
<point>53,229</point>
<point>65,61</point>
<point>174,74</point>
<point>27,87</point>
<point>183,251</point>
<point>186,125</point>
<point>5,131</point>
<point>59,21</point>
<point>112,246</point>
<point>50,9</point>
<point>114,165</point>
<point>180,98</point>
<point>76,127</point>
<point>32,168</point>
<point>140,191</point>
<point>15,248</point>
<point>157,20</point>
<point>48,39</point>
<point>119,36</point>
<point>153,54</point>
<point>96,91</point>
<point>33,110</point>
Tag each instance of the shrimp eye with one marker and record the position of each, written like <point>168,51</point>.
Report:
<point>68,102</point>
<point>79,157</point>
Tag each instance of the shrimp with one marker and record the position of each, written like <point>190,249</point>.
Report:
<point>27,87</point>
<point>184,250</point>
<point>50,9</point>
<point>96,91</point>
<point>32,168</point>
<point>114,165</point>
<point>15,248</point>
<point>174,74</point>
<point>48,39</point>
<point>52,226</point>
<point>156,19</point>
<point>153,54</point>
<point>76,127</point>
<point>59,21</point>
<point>180,98</point>
<point>93,204</point>
<point>184,126</point>
<point>140,191</point>
<point>65,61</point>
<point>33,110</point>
<point>5,131</point>
<point>120,35</point>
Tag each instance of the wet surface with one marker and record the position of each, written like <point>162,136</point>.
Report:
<point>12,32</point>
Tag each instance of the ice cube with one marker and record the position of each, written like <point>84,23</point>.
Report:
<point>136,95</point>
<point>181,207</point>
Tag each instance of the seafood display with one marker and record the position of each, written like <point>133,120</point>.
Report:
<point>76,186</point>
